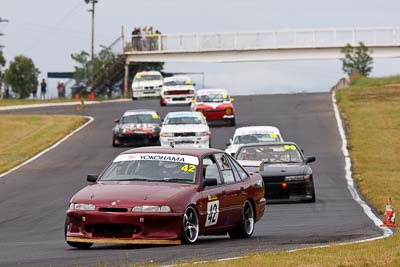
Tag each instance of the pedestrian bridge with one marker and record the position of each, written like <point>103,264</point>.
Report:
<point>299,44</point>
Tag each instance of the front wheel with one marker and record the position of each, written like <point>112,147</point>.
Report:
<point>114,144</point>
<point>190,226</point>
<point>245,227</point>
<point>79,245</point>
<point>232,122</point>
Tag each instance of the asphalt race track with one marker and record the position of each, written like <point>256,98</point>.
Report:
<point>33,199</point>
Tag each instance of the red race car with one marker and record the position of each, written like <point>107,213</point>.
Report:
<point>160,195</point>
<point>215,104</point>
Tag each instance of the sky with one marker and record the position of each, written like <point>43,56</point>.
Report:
<point>48,31</point>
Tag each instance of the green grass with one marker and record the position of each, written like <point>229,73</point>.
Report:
<point>23,136</point>
<point>18,102</point>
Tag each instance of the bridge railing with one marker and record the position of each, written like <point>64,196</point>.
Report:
<point>302,38</point>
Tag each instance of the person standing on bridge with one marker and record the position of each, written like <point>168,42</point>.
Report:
<point>43,89</point>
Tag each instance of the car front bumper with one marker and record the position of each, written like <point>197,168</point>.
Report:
<point>136,138</point>
<point>193,142</point>
<point>288,191</point>
<point>141,93</point>
<point>123,228</point>
<point>177,99</point>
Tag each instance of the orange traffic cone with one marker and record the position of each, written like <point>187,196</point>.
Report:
<point>390,215</point>
<point>92,97</point>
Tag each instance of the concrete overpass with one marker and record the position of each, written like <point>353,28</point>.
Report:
<point>299,44</point>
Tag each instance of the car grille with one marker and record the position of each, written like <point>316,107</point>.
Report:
<point>177,92</point>
<point>113,209</point>
<point>275,179</point>
<point>112,230</point>
<point>185,134</point>
<point>213,111</point>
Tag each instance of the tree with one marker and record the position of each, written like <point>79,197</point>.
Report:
<point>82,70</point>
<point>2,64</point>
<point>22,76</point>
<point>357,59</point>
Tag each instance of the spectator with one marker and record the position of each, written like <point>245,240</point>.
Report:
<point>43,88</point>
<point>6,91</point>
<point>136,39</point>
<point>34,92</point>
<point>62,89</point>
<point>59,89</point>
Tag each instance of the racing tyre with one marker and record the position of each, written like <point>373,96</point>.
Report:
<point>79,245</point>
<point>161,103</point>
<point>113,143</point>
<point>134,98</point>
<point>245,227</point>
<point>232,122</point>
<point>190,226</point>
<point>312,200</point>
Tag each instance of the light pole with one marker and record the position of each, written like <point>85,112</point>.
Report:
<point>93,2</point>
<point>2,20</point>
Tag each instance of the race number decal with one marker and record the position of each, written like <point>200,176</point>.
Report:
<point>212,213</point>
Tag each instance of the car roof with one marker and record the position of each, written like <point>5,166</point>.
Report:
<point>169,150</point>
<point>137,111</point>
<point>177,78</point>
<point>152,72</point>
<point>249,129</point>
<point>209,91</point>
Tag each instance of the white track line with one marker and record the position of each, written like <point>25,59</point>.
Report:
<point>350,182</point>
<point>350,185</point>
<point>90,120</point>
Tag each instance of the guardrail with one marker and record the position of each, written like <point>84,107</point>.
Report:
<point>301,38</point>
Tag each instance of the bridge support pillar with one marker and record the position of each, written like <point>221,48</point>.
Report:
<point>126,80</point>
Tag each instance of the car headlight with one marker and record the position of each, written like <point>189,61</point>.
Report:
<point>146,208</point>
<point>167,134</point>
<point>294,178</point>
<point>202,133</point>
<point>81,206</point>
<point>228,111</point>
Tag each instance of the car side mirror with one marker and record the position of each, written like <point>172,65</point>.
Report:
<point>261,167</point>
<point>232,100</point>
<point>116,121</point>
<point>92,178</point>
<point>310,159</point>
<point>210,182</point>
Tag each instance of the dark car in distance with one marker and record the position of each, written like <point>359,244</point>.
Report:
<point>139,127</point>
<point>284,168</point>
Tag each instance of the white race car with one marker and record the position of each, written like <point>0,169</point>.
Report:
<point>147,84</point>
<point>185,129</point>
<point>177,90</point>
<point>251,135</point>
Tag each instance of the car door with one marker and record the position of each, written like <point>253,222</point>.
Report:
<point>233,193</point>
<point>212,204</point>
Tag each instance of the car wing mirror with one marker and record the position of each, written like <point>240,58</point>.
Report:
<point>117,121</point>
<point>310,159</point>
<point>261,167</point>
<point>210,182</point>
<point>232,100</point>
<point>92,178</point>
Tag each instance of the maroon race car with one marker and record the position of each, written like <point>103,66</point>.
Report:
<point>159,195</point>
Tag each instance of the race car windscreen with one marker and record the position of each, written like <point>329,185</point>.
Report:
<point>152,168</point>
<point>147,78</point>
<point>177,82</point>
<point>141,118</point>
<point>174,120</point>
<point>213,97</point>
<point>271,154</point>
<point>255,138</point>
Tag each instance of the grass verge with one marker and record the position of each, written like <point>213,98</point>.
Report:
<point>371,111</point>
<point>23,136</point>
<point>19,102</point>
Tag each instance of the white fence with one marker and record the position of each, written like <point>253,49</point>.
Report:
<point>302,38</point>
